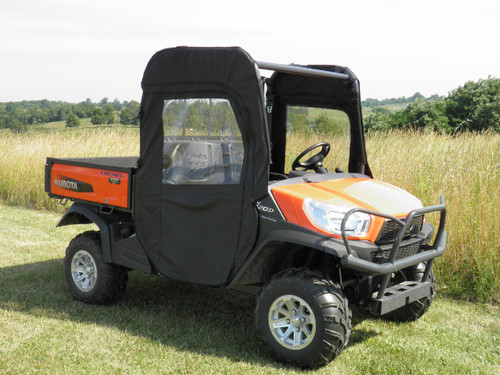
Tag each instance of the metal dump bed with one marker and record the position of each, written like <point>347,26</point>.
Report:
<point>104,181</point>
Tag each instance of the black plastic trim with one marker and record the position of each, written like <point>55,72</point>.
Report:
<point>122,249</point>
<point>437,249</point>
<point>82,214</point>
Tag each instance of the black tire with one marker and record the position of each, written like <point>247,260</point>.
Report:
<point>414,310</point>
<point>320,318</point>
<point>90,279</point>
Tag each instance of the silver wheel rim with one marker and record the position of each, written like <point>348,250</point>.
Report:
<point>84,271</point>
<point>292,322</point>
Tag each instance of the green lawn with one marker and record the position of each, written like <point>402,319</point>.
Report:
<point>161,326</point>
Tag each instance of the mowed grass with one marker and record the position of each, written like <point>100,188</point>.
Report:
<point>464,168</point>
<point>164,327</point>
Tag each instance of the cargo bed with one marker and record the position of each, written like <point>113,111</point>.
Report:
<point>103,181</point>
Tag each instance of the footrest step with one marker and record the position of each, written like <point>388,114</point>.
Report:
<point>400,295</point>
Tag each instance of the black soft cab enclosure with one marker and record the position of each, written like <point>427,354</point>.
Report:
<point>204,162</point>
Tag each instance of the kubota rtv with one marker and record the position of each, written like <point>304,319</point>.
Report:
<point>212,200</point>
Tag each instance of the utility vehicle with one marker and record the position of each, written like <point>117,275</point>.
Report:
<point>212,201</point>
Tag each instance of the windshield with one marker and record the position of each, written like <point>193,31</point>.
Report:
<point>309,125</point>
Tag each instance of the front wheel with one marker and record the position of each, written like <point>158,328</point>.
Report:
<point>303,318</point>
<point>91,279</point>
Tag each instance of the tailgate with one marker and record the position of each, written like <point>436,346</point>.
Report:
<point>106,181</point>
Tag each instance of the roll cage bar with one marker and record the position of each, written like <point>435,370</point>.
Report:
<point>300,70</point>
<point>321,86</point>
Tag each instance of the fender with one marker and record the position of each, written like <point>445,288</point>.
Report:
<point>282,232</point>
<point>83,214</point>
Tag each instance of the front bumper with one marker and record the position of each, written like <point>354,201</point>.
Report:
<point>395,263</point>
<point>388,299</point>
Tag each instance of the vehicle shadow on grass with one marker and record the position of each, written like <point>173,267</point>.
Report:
<point>197,319</point>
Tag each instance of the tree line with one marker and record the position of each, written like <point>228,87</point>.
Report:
<point>475,106</point>
<point>300,120</point>
<point>199,117</point>
<point>375,103</point>
<point>21,115</point>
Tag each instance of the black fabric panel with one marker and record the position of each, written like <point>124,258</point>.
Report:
<point>199,244</point>
<point>201,233</point>
<point>278,135</point>
<point>147,184</point>
<point>333,93</point>
<point>114,162</point>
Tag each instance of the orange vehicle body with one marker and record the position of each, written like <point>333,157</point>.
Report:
<point>90,184</point>
<point>366,193</point>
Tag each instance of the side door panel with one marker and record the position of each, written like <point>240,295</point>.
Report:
<point>202,190</point>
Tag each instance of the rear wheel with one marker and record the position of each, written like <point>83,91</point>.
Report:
<point>91,279</point>
<point>303,318</point>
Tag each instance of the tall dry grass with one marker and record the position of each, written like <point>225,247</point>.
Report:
<point>464,168</point>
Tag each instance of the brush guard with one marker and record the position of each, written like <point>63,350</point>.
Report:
<point>388,299</point>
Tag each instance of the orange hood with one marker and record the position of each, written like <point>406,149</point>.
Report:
<point>351,192</point>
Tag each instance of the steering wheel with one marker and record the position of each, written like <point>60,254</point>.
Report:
<point>315,162</point>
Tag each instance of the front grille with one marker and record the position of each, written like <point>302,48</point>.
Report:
<point>391,228</point>
<point>382,256</point>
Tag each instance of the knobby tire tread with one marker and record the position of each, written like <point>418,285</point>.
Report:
<point>112,279</point>
<point>335,314</point>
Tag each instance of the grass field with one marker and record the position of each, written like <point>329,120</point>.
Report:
<point>165,327</point>
<point>464,168</point>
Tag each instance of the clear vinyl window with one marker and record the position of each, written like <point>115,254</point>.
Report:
<point>309,125</point>
<point>202,142</point>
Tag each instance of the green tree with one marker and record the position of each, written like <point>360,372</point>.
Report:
<point>193,123</point>
<point>420,114</point>
<point>378,120</point>
<point>16,126</point>
<point>298,123</point>
<point>98,116</point>
<point>297,120</point>
<point>72,121</point>
<point>325,125</point>
<point>125,117</point>
<point>35,115</point>
<point>417,96</point>
<point>134,107</point>
<point>84,109</point>
<point>117,106</point>
<point>109,112</point>
<point>475,106</point>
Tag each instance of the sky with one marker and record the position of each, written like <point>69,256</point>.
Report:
<point>71,50</point>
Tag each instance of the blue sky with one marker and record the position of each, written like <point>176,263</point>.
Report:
<point>71,50</point>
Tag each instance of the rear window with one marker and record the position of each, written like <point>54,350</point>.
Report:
<point>202,142</point>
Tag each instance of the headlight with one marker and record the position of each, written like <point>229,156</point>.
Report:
<point>329,218</point>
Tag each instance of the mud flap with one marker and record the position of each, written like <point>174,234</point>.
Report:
<point>128,252</point>
<point>400,295</point>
